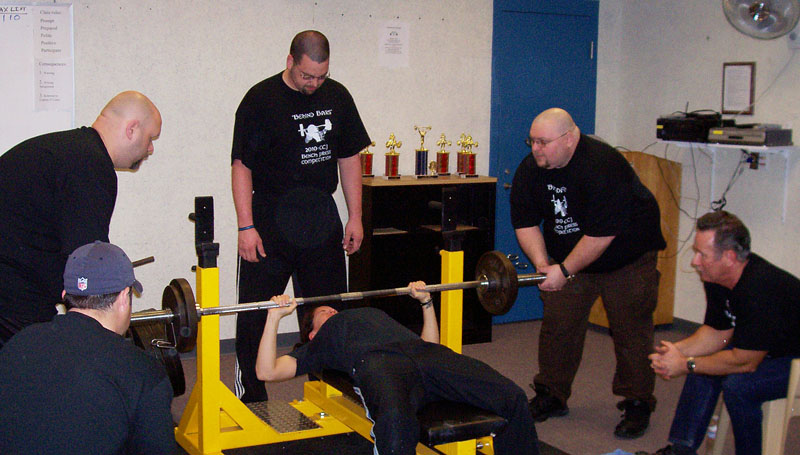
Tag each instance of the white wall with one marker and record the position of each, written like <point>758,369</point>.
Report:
<point>196,59</point>
<point>654,57</point>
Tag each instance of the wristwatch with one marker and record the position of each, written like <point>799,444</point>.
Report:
<point>690,365</point>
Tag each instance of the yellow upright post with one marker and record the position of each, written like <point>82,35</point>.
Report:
<point>452,311</point>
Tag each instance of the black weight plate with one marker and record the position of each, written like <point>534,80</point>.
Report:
<point>182,329</point>
<point>188,307</point>
<point>501,293</point>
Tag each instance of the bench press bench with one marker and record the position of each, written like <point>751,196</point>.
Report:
<point>442,422</point>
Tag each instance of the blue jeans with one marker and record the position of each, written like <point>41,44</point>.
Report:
<point>743,394</point>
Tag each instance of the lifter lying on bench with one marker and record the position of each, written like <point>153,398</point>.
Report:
<point>396,373</point>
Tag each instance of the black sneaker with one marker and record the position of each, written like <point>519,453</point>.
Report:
<point>543,406</point>
<point>635,420</point>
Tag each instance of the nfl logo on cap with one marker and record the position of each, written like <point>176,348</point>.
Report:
<point>83,283</point>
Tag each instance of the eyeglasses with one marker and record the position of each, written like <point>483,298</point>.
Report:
<point>531,141</point>
<point>309,77</point>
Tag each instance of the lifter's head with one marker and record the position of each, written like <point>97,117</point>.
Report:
<point>307,62</point>
<point>128,125</point>
<point>313,321</point>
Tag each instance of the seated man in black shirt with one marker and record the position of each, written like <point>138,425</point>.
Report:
<point>396,372</point>
<point>74,385</point>
<point>745,347</point>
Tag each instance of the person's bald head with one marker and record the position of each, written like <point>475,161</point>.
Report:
<point>128,125</point>
<point>553,138</point>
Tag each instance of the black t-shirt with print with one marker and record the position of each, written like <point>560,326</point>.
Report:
<point>596,194</point>
<point>763,309</point>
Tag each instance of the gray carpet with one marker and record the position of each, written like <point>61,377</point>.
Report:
<point>586,430</point>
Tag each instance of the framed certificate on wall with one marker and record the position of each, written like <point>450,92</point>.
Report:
<point>738,87</point>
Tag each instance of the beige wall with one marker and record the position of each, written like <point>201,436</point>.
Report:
<point>654,57</point>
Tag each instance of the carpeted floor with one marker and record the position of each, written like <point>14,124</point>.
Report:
<point>586,430</point>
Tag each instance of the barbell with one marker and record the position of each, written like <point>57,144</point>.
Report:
<point>496,283</point>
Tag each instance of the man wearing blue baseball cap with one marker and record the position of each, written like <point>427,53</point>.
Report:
<point>74,384</point>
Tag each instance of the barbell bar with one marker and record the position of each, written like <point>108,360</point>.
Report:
<point>496,284</point>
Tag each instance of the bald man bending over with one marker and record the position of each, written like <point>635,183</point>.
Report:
<point>57,192</point>
<point>578,208</point>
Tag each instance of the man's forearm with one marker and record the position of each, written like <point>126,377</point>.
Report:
<point>350,171</point>
<point>430,326</point>
<point>532,243</point>
<point>268,350</point>
<point>242,186</point>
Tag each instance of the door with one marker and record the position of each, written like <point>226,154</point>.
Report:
<point>543,55</point>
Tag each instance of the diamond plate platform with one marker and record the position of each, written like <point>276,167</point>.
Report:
<point>282,416</point>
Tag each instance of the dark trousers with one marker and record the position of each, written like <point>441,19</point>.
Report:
<point>743,394</point>
<point>629,296</point>
<point>396,383</point>
<point>316,262</point>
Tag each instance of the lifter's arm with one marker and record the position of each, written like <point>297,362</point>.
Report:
<point>270,367</point>
<point>430,326</point>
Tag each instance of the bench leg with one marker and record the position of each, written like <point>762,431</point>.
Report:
<point>458,448</point>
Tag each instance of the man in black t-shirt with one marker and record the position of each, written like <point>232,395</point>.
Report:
<point>396,372</point>
<point>745,346</point>
<point>74,384</point>
<point>294,133</point>
<point>57,192</point>
<point>578,208</point>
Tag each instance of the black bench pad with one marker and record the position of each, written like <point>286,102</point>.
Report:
<point>441,422</point>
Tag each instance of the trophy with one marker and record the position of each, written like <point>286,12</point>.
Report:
<point>469,158</point>
<point>392,157</point>
<point>443,156</point>
<point>366,161</point>
<point>421,162</point>
<point>460,160</point>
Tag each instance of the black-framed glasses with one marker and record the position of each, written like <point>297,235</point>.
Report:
<point>531,141</point>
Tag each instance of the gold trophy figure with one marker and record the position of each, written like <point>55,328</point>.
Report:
<point>392,157</point>
<point>421,160</point>
<point>443,156</point>
<point>366,161</point>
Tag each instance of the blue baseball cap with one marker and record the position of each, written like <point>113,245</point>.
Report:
<point>99,268</point>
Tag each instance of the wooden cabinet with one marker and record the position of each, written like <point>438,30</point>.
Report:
<point>663,178</point>
<point>403,234</point>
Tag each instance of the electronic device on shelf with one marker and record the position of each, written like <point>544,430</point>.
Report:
<point>689,127</point>
<point>754,134</point>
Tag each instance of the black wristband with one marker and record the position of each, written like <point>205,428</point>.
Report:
<point>564,270</point>
<point>426,303</point>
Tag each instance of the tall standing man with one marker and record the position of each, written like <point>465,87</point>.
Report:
<point>745,346</point>
<point>57,192</point>
<point>293,130</point>
<point>579,209</point>
<point>74,384</point>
